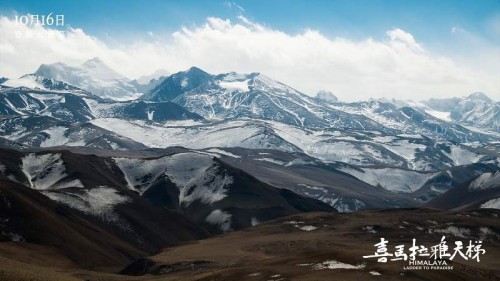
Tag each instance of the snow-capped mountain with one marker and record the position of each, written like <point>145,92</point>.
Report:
<point>62,105</point>
<point>254,95</point>
<point>234,95</point>
<point>476,110</point>
<point>37,82</point>
<point>414,152</point>
<point>93,76</point>
<point>53,117</point>
<point>404,151</point>
<point>410,120</point>
<point>177,84</point>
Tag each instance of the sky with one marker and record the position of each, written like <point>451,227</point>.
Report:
<point>357,49</point>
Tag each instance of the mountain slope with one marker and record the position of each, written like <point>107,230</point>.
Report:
<point>481,192</point>
<point>476,110</point>
<point>176,84</point>
<point>72,203</point>
<point>234,95</point>
<point>329,145</point>
<point>93,76</point>
<point>211,193</point>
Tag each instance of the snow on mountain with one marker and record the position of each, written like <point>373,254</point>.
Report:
<point>44,131</point>
<point>235,95</point>
<point>196,175</point>
<point>395,180</point>
<point>255,95</point>
<point>492,204</point>
<point>228,134</point>
<point>410,120</point>
<point>353,147</point>
<point>476,110</point>
<point>403,147</point>
<point>37,82</point>
<point>47,171</point>
<point>140,110</point>
<point>28,102</point>
<point>480,97</point>
<point>443,115</point>
<point>326,96</point>
<point>99,202</point>
<point>94,76</point>
<point>221,219</point>
<point>27,81</point>
<point>176,84</point>
<point>486,181</point>
<point>234,82</point>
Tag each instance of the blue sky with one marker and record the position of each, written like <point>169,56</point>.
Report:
<point>355,48</point>
<point>428,20</point>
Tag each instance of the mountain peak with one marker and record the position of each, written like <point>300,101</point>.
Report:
<point>93,76</point>
<point>194,69</point>
<point>479,96</point>
<point>94,62</point>
<point>326,96</point>
<point>48,70</point>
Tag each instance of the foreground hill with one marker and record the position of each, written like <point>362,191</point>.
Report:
<point>313,246</point>
<point>101,210</point>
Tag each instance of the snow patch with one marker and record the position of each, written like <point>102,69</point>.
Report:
<point>223,152</point>
<point>28,81</point>
<point>196,175</point>
<point>462,156</point>
<point>453,230</point>
<point>13,237</point>
<point>486,181</point>
<point>270,160</point>
<point>56,137</point>
<point>369,228</point>
<point>233,86</point>
<point>46,171</point>
<point>221,219</point>
<point>443,115</point>
<point>184,82</point>
<point>150,115</point>
<point>254,221</point>
<point>293,222</point>
<point>492,204</point>
<point>99,202</point>
<point>308,228</point>
<point>333,264</point>
<point>396,180</point>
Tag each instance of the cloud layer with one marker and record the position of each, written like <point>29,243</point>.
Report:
<point>397,66</point>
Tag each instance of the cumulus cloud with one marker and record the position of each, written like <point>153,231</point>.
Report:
<point>397,66</point>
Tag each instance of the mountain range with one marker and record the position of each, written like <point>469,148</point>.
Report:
<point>99,172</point>
<point>412,150</point>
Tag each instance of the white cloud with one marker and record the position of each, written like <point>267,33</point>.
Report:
<point>400,36</point>
<point>395,67</point>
